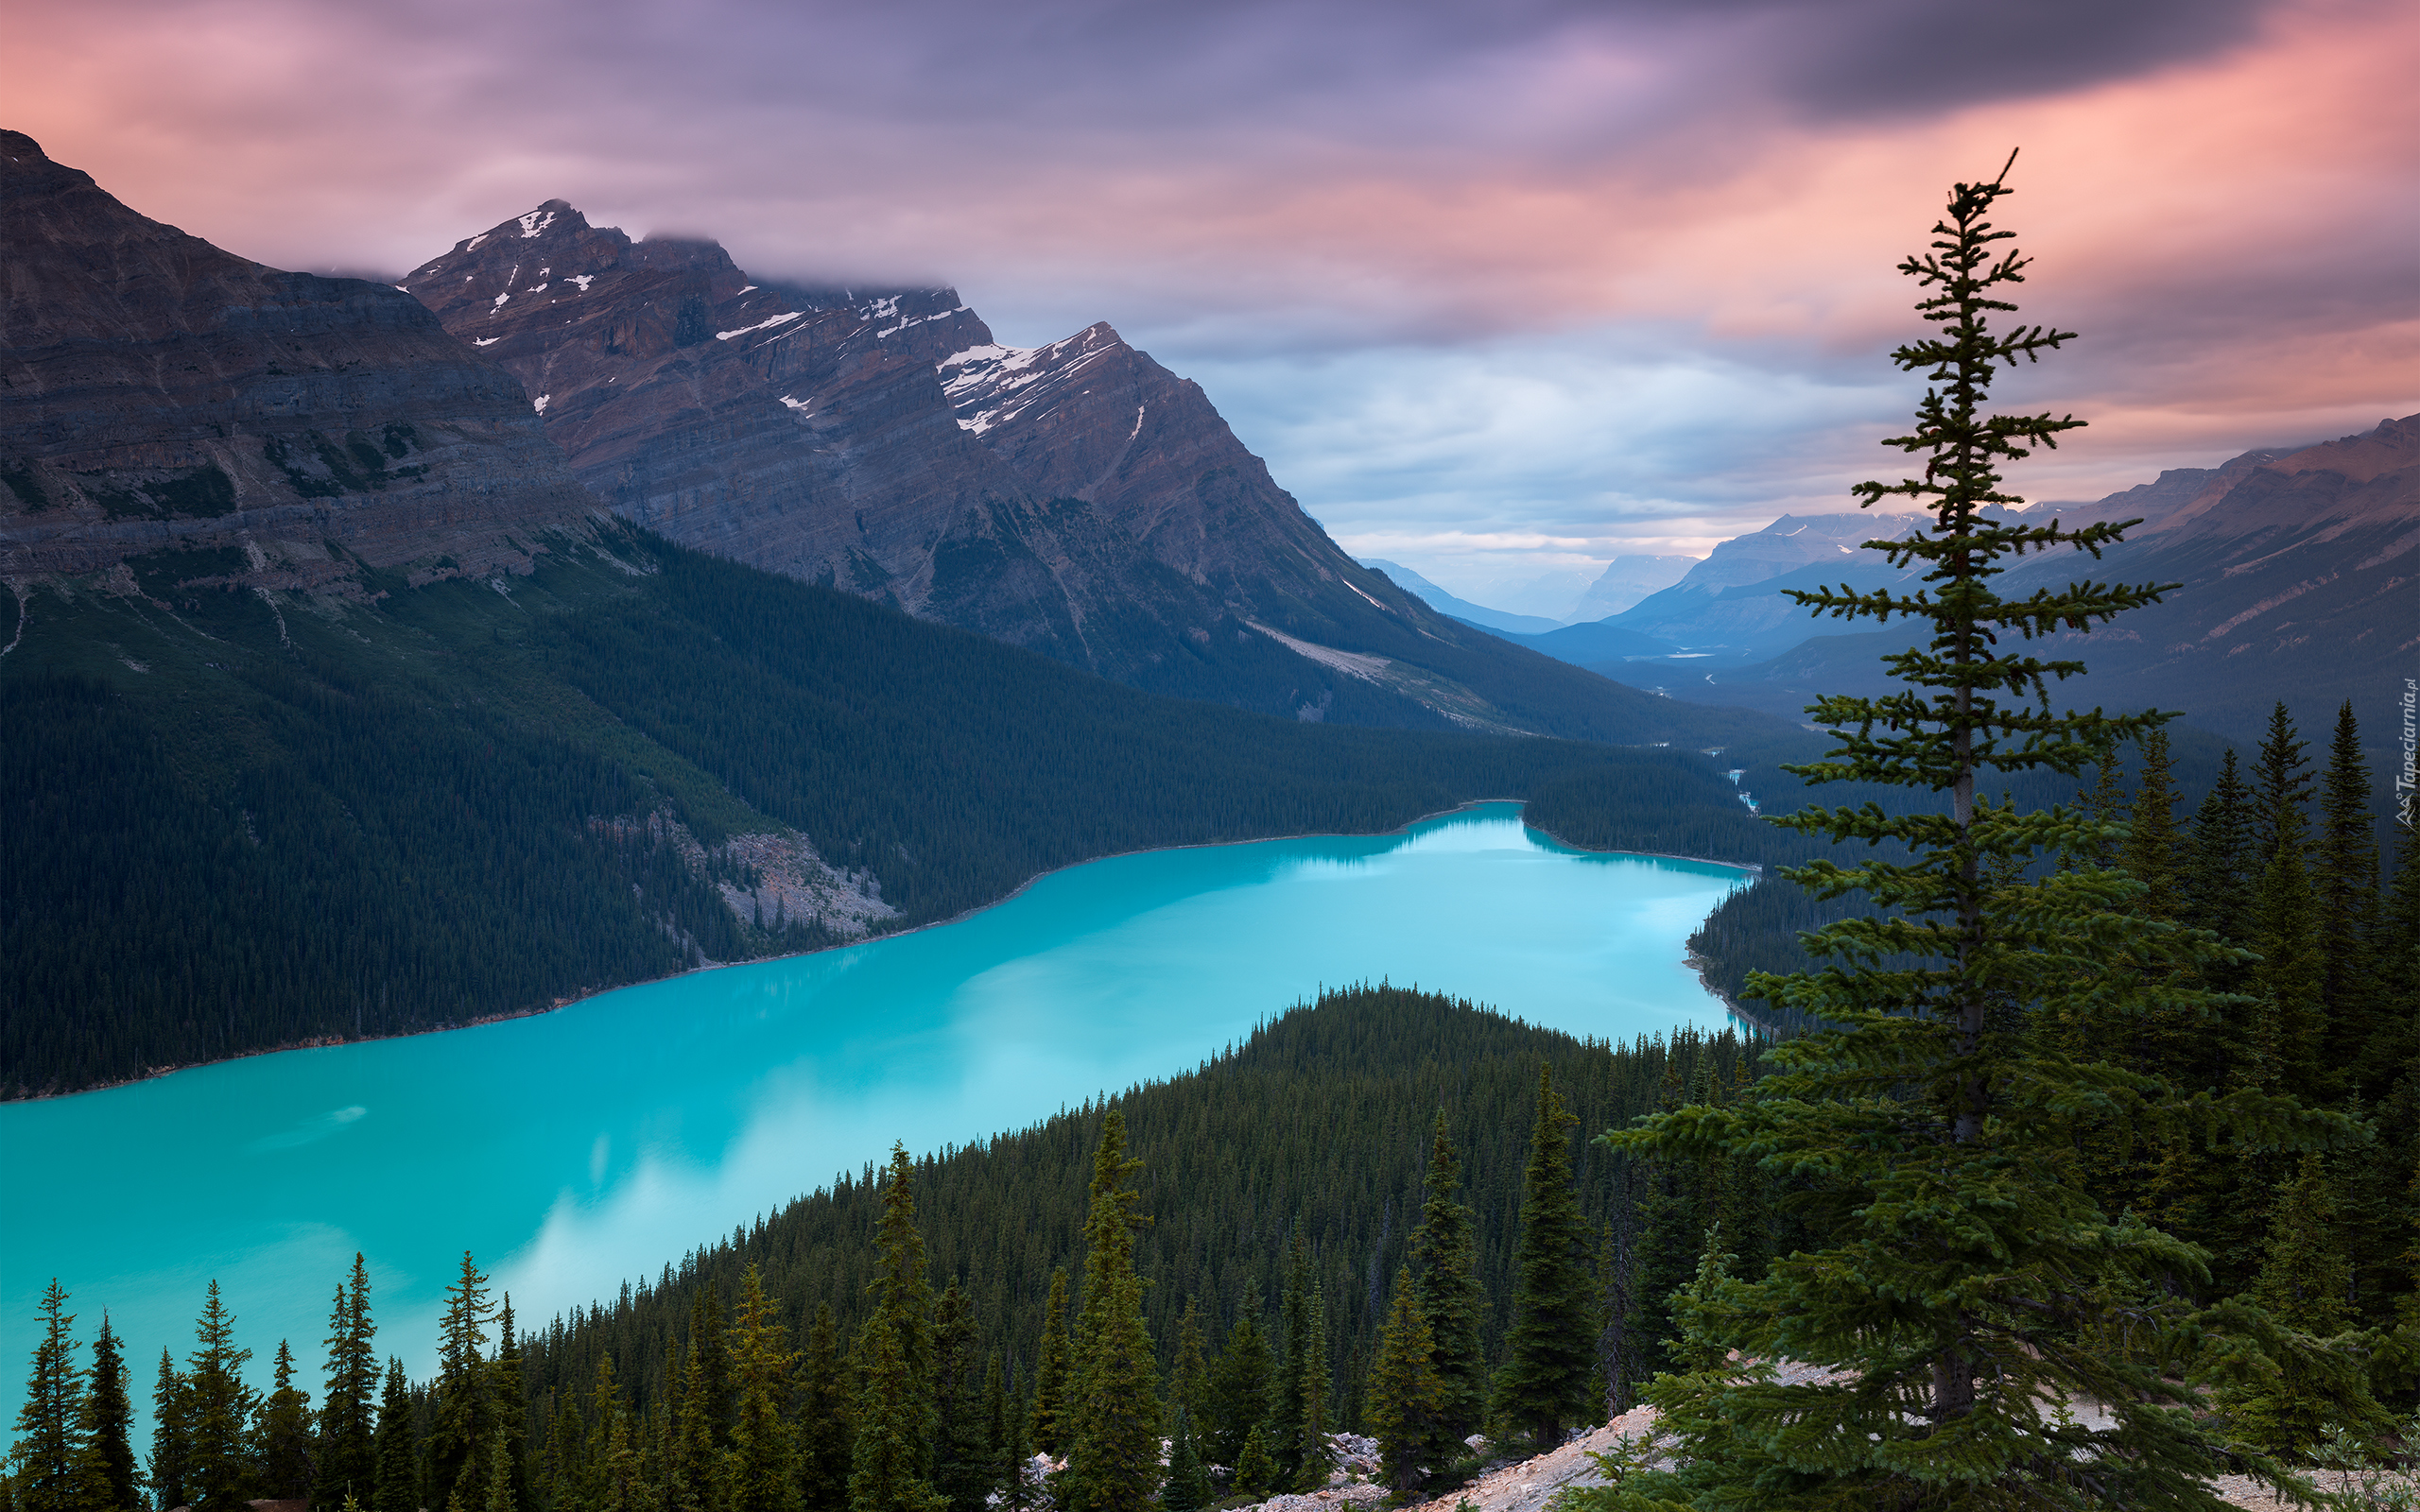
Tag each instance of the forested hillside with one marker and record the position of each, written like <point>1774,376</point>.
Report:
<point>236,825</point>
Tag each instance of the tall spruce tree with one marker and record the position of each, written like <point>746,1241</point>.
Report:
<point>1287,1386</point>
<point>171,1463</point>
<point>692,1466</point>
<point>1316,1379</point>
<point>462,1398</point>
<point>1189,1374</point>
<point>2345,876</point>
<point>885,1463</point>
<point>1444,1268</point>
<point>48,1454</point>
<point>285,1470</point>
<point>508,1392</point>
<point>1406,1395</point>
<point>2222,870</point>
<point>1551,1349</point>
<point>890,1462</point>
<point>761,1467</point>
<point>1114,1428</point>
<point>1050,1371</point>
<point>398,1454</point>
<point>218,1411</point>
<point>1188,1488</point>
<point>347,1436</point>
<point>961,1454</point>
<point>109,1479</point>
<point>823,1427</point>
<point>1964,1280</point>
<point>1239,1383</point>
<point>2289,1039</point>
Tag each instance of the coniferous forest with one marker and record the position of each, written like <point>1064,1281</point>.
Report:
<point>2081,1164</point>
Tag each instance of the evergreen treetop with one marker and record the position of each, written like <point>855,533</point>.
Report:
<point>1963,1281</point>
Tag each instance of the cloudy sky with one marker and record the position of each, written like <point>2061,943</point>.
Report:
<point>1500,289</point>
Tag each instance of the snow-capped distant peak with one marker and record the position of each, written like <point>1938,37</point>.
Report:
<point>472,245</point>
<point>583,279</point>
<point>540,402</point>
<point>536,222</point>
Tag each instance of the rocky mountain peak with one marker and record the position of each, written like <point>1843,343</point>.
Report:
<point>161,395</point>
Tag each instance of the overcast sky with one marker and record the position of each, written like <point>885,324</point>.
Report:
<point>1500,289</point>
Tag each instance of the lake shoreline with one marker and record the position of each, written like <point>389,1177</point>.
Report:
<point>331,1042</point>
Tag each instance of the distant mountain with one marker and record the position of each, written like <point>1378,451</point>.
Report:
<point>2296,572</point>
<point>1602,647</point>
<point>1460,608</point>
<point>1729,606</point>
<point>1625,581</point>
<point>274,431</point>
<point>1077,498</point>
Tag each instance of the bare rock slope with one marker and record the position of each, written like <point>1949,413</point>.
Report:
<point>1077,498</point>
<point>158,393</point>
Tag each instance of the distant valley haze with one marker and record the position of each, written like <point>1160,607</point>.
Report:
<point>1501,293</point>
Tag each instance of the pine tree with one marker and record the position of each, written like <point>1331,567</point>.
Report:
<point>1543,1388</point>
<point>347,1441</point>
<point>109,1479</point>
<point>998,1404</point>
<point>48,1452</point>
<point>886,1464</point>
<point>1313,1458</point>
<point>1020,1489</point>
<point>2220,870</point>
<point>1288,1389</point>
<point>463,1404</point>
<point>1051,1372</point>
<point>693,1466</point>
<point>891,1463</point>
<point>508,1392</point>
<point>1114,1426</point>
<point>1964,1278</point>
<point>962,1459</point>
<point>1239,1384</point>
<point>2289,1038</point>
<point>712,1359</point>
<point>1188,1488</point>
<point>761,1473</point>
<point>1406,1395</point>
<point>2287,1399</point>
<point>285,1471</point>
<point>501,1473</point>
<point>218,1413</point>
<point>1444,1260</point>
<point>611,1474</point>
<point>1189,1378</point>
<point>2345,879</point>
<point>171,1466</point>
<point>398,1455</point>
<point>823,1429</point>
<point>1255,1470</point>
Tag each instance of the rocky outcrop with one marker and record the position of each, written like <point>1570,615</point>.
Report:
<point>160,394</point>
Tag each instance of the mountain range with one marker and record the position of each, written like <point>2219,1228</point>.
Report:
<point>343,699</point>
<point>2294,570</point>
<point>1076,499</point>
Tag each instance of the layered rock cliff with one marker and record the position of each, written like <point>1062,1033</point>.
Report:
<point>1076,498</point>
<point>158,394</point>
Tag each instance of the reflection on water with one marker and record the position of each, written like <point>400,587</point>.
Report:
<point>578,1149</point>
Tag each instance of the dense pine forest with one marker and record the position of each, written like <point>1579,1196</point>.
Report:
<point>1282,1191</point>
<point>231,829</point>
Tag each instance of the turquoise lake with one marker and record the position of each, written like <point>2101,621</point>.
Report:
<point>579,1149</point>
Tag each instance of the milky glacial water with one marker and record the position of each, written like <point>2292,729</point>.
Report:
<point>575,1150</point>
